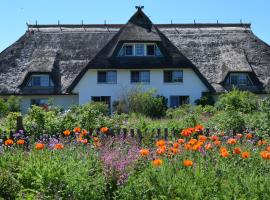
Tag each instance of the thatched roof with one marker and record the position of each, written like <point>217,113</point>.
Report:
<point>67,51</point>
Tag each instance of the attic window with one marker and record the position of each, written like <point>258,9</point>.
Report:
<point>140,49</point>
<point>238,79</point>
<point>40,80</point>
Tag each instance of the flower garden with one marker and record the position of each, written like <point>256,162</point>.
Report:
<point>135,157</point>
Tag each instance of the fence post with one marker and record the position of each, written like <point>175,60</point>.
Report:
<point>125,133</point>
<point>139,133</point>
<point>166,134</point>
<point>132,132</point>
<point>158,133</point>
<point>19,124</point>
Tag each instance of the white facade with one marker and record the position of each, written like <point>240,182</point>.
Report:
<point>64,101</point>
<point>88,86</point>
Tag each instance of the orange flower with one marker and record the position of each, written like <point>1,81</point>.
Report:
<point>245,154</point>
<point>66,132</point>
<point>21,142</point>
<point>187,163</point>
<point>39,146</point>
<point>84,132</point>
<point>160,151</point>
<point>77,129</point>
<point>239,135</point>
<point>188,146</point>
<point>176,145</point>
<point>174,150</point>
<point>95,139</point>
<point>231,141</point>
<point>267,148</point>
<point>144,152</point>
<point>208,146</point>
<point>157,162</point>
<point>160,143</point>
<point>9,142</point>
<point>84,141</point>
<point>192,141</point>
<point>237,150</point>
<point>223,152</point>
<point>202,138</point>
<point>59,146</point>
<point>104,130</point>
<point>181,141</point>
<point>265,154</point>
<point>249,136</point>
<point>187,132</point>
<point>217,143</point>
<point>199,128</point>
<point>214,138</point>
<point>197,146</point>
<point>261,142</point>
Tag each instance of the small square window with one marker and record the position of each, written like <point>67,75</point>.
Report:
<point>140,76</point>
<point>139,49</point>
<point>176,101</point>
<point>171,76</point>
<point>107,76</point>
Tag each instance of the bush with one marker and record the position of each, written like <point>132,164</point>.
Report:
<point>206,99</point>
<point>10,121</point>
<point>11,104</point>
<point>237,100</point>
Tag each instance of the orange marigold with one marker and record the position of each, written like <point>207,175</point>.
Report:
<point>174,150</point>
<point>187,163</point>
<point>217,143</point>
<point>181,141</point>
<point>144,152</point>
<point>239,135</point>
<point>225,154</point>
<point>231,141</point>
<point>95,139</point>
<point>176,145</point>
<point>77,129</point>
<point>198,128</point>
<point>9,142</point>
<point>187,132</point>
<point>104,129</point>
<point>157,162</point>
<point>160,151</point>
<point>160,143</point>
<point>40,146</point>
<point>237,150</point>
<point>58,146</point>
<point>245,154</point>
<point>66,132</point>
<point>202,138</point>
<point>265,154</point>
<point>84,132</point>
<point>21,142</point>
<point>84,141</point>
<point>249,136</point>
<point>267,148</point>
<point>261,142</point>
<point>208,146</point>
<point>214,138</point>
<point>192,141</point>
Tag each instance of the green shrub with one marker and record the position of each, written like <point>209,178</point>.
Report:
<point>237,100</point>
<point>206,99</point>
<point>10,121</point>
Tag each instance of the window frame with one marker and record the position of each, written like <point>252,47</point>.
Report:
<point>237,76</point>
<point>32,102</point>
<point>140,79</point>
<point>30,82</point>
<point>107,72</point>
<point>181,99</point>
<point>122,52</point>
<point>172,76</point>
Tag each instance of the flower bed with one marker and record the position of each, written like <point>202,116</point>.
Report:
<point>78,164</point>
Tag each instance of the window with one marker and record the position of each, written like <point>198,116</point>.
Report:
<point>105,99</point>
<point>140,49</point>
<point>150,49</point>
<point>176,101</point>
<point>40,81</point>
<point>39,102</point>
<point>107,77</point>
<point>140,76</point>
<point>171,76</point>
<point>239,79</point>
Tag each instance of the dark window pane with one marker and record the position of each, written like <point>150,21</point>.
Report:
<point>176,101</point>
<point>102,77</point>
<point>35,81</point>
<point>145,76</point>
<point>135,76</point>
<point>39,102</point>
<point>111,77</point>
<point>167,76</point>
<point>177,76</point>
<point>150,50</point>
<point>128,50</point>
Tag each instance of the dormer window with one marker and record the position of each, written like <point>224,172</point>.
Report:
<point>238,79</point>
<point>140,49</point>
<point>40,80</point>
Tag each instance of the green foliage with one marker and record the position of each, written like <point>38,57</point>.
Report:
<point>11,104</point>
<point>205,100</point>
<point>10,121</point>
<point>237,100</point>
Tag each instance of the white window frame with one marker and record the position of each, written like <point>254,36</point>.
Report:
<point>238,75</point>
<point>50,81</point>
<point>122,52</point>
<point>107,72</point>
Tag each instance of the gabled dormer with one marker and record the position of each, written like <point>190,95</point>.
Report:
<point>142,49</point>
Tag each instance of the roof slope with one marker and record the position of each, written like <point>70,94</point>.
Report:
<point>66,51</point>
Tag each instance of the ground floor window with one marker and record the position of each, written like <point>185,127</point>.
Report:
<point>39,102</point>
<point>106,99</point>
<point>176,101</point>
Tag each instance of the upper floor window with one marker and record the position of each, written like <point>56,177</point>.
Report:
<point>107,77</point>
<point>238,79</point>
<point>140,49</point>
<point>173,76</point>
<point>140,76</point>
<point>40,80</point>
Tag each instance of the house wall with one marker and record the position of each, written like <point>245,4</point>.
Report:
<point>59,100</point>
<point>191,86</point>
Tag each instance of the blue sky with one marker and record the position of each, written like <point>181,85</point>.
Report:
<point>15,13</point>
